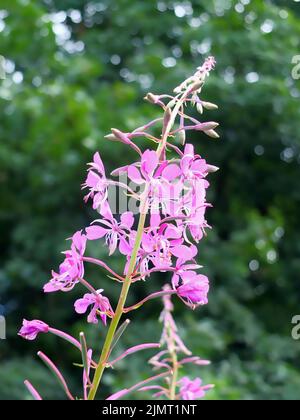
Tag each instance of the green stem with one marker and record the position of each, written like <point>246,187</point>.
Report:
<point>173,353</point>
<point>173,386</point>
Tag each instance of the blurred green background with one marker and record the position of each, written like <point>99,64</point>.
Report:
<point>74,69</point>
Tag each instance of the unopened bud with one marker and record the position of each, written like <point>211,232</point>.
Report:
<point>118,134</point>
<point>199,108</point>
<point>212,133</point>
<point>212,168</point>
<point>153,99</point>
<point>167,118</point>
<point>211,125</point>
<point>172,103</point>
<point>182,137</point>
<point>196,86</point>
<point>209,105</point>
<point>111,137</point>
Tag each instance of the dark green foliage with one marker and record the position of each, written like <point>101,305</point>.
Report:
<point>51,124</point>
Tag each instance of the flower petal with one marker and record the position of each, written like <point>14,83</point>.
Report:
<point>95,232</point>
<point>127,219</point>
<point>171,172</point>
<point>135,175</point>
<point>81,305</point>
<point>149,161</point>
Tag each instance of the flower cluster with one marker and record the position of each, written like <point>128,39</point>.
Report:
<point>176,194</point>
<point>169,192</point>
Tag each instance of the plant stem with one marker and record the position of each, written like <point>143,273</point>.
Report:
<point>173,353</point>
<point>173,385</point>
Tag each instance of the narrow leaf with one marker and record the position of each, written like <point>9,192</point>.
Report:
<point>119,333</point>
<point>84,353</point>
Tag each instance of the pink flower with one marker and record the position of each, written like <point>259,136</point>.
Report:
<point>158,247</point>
<point>157,175</point>
<point>100,306</point>
<point>161,243</point>
<point>96,182</point>
<point>192,167</point>
<point>71,269</point>
<point>143,257</point>
<point>192,390</point>
<point>192,287</point>
<point>31,329</point>
<point>114,232</point>
<point>148,165</point>
<point>208,65</point>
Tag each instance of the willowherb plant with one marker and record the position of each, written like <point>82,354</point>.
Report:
<point>161,237</point>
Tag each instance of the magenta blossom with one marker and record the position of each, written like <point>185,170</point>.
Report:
<point>162,244</point>
<point>192,167</point>
<point>31,329</point>
<point>156,175</point>
<point>100,306</point>
<point>148,165</point>
<point>192,287</point>
<point>71,269</point>
<point>192,390</point>
<point>114,232</point>
<point>159,246</point>
<point>96,182</point>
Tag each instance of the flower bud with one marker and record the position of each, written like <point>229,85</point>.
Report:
<point>31,329</point>
<point>172,103</point>
<point>212,168</point>
<point>212,133</point>
<point>196,86</point>
<point>111,137</point>
<point>182,137</point>
<point>153,99</point>
<point>207,126</point>
<point>209,105</point>
<point>199,108</point>
<point>167,118</point>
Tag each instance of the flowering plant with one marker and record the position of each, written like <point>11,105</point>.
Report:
<point>170,193</point>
